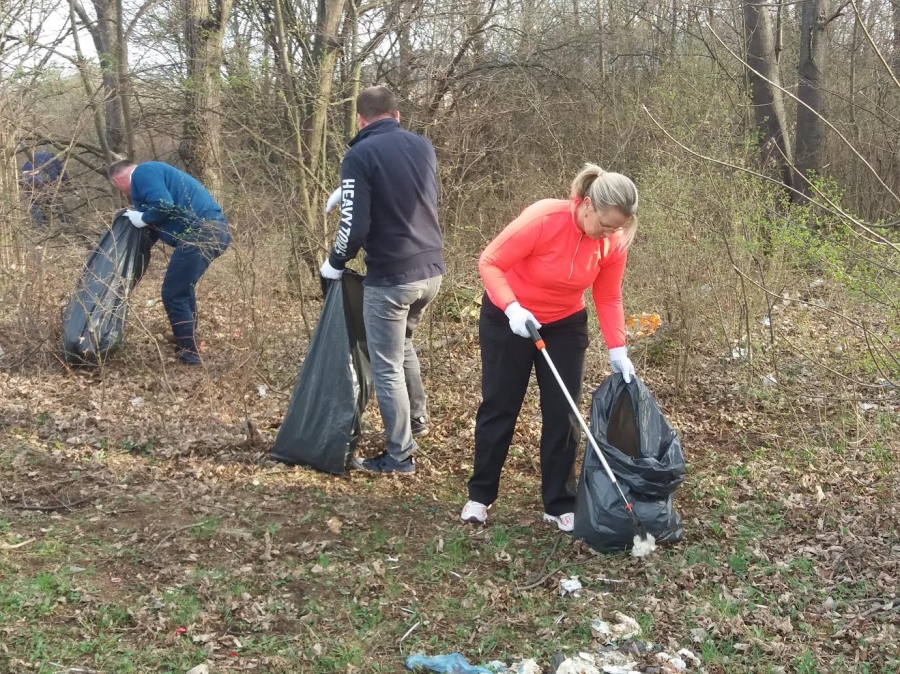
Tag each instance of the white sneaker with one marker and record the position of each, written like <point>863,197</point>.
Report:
<point>474,512</point>
<point>565,522</point>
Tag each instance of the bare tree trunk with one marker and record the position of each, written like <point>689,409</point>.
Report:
<point>292,103</point>
<point>107,33</point>
<point>779,32</point>
<point>896,46</point>
<point>123,81</point>
<point>404,60</point>
<point>673,30</point>
<point>107,50</point>
<point>10,252</point>
<point>325,53</point>
<point>304,246</point>
<point>854,48</point>
<point>354,66</point>
<point>809,152</point>
<point>767,101</point>
<point>204,28</point>
<point>601,43</point>
<point>97,114</point>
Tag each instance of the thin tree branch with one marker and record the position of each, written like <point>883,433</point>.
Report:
<point>808,107</point>
<point>837,13</point>
<point>831,208</point>
<point>88,22</point>
<point>884,62</point>
<point>851,321</point>
<point>146,7</point>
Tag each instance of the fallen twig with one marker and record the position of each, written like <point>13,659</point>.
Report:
<point>224,509</point>
<point>50,508</point>
<point>542,577</point>
<point>7,546</point>
<point>612,581</point>
<point>58,483</point>
<point>74,670</point>
<point>175,531</point>
<point>887,608</point>
<point>280,471</point>
<point>408,632</point>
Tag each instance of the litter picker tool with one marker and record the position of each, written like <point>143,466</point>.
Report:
<point>644,543</point>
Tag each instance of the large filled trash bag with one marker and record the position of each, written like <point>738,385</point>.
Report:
<point>321,427</point>
<point>645,455</point>
<point>93,322</point>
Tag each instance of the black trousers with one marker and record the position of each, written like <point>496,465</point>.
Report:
<point>506,364</point>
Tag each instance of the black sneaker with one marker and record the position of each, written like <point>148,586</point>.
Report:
<point>385,463</point>
<point>419,427</point>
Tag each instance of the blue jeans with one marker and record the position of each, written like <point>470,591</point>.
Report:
<point>391,313</point>
<point>44,206</point>
<point>189,261</point>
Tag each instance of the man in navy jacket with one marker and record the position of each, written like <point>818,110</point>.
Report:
<point>42,178</point>
<point>389,198</point>
<point>181,212</point>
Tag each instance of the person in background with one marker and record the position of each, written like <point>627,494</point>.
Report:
<point>181,212</point>
<point>41,179</point>
<point>388,198</point>
<point>537,270</point>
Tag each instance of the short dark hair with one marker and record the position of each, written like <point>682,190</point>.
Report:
<point>376,101</point>
<point>118,167</point>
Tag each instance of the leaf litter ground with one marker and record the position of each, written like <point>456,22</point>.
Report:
<point>143,528</point>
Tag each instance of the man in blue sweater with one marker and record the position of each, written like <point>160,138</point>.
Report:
<point>389,199</point>
<point>181,212</point>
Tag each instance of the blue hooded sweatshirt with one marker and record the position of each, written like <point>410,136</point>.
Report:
<point>174,203</point>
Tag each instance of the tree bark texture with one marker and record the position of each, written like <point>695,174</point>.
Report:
<point>766,98</point>
<point>809,151</point>
<point>325,53</point>
<point>204,27</point>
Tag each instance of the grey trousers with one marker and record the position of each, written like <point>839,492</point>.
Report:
<point>391,313</point>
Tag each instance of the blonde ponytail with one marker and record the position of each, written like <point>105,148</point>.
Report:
<point>609,190</point>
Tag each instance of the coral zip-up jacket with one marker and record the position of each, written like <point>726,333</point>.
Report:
<point>544,262</point>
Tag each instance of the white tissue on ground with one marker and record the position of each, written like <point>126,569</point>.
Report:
<point>643,546</point>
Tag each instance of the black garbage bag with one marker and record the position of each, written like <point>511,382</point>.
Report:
<point>321,427</point>
<point>94,319</point>
<point>645,455</point>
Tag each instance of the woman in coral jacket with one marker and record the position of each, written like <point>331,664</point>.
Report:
<point>537,269</point>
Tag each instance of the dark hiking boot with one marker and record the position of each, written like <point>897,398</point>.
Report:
<point>186,351</point>
<point>187,357</point>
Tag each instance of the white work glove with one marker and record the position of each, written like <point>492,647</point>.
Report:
<point>518,318</point>
<point>620,362</point>
<point>136,217</point>
<point>329,272</point>
<point>333,200</point>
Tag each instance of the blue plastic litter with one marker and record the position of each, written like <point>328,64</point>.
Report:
<point>454,663</point>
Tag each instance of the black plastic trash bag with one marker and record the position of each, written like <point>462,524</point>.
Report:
<point>321,427</point>
<point>645,455</point>
<point>94,319</point>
